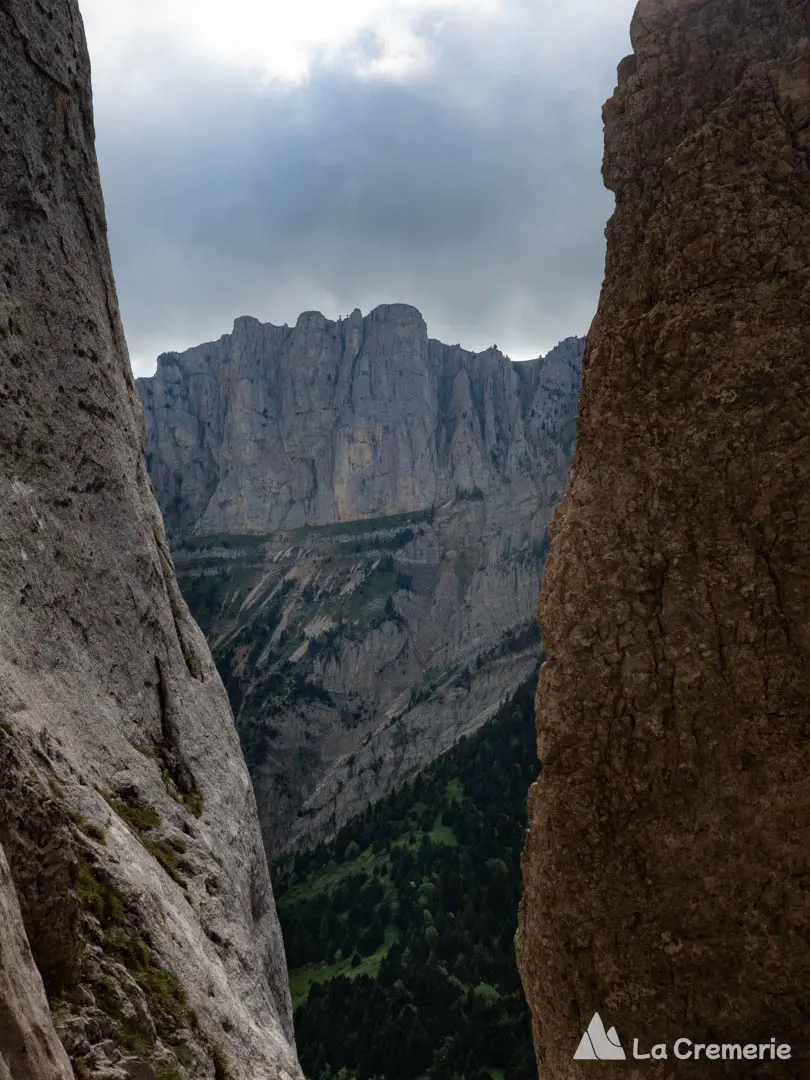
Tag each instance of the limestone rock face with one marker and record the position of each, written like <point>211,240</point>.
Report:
<point>360,516</point>
<point>28,1043</point>
<point>667,868</point>
<point>131,862</point>
<point>278,427</point>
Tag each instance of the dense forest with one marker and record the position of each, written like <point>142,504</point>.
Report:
<point>399,932</point>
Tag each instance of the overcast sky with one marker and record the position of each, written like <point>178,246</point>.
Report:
<point>266,158</point>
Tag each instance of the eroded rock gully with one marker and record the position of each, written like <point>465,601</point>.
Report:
<point>668,863</point>
<point>136,914</point>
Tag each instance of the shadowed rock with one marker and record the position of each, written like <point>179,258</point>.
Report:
<point>668,863</point>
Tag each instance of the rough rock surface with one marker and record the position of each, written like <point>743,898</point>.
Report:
<point>132,863</point>
<point>28,1043</point>
<point>357,650</point>
<point>327,421</point>
<point>667,871</point>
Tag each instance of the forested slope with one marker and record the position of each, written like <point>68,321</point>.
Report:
<point>399,932</point>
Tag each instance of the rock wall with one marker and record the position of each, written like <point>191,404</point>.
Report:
<point>399,492</point>
<point>353,659</point>
<point>278,427</point>
<point>666,872</point>
<point>134,890</point>
<point>28,1043</point>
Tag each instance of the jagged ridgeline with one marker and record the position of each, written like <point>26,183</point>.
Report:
<point>358,516</point>
<point>399,931</point>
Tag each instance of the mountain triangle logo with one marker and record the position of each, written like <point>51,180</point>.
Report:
<point>599,1045</point>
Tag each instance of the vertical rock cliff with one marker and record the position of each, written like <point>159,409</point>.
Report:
<point>136,914</point>
<point>667,870</point>
<point>279,427</point>
<point>359,517</point>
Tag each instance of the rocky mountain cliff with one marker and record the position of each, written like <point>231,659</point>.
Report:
<point>359,517</point>
<point>277,427</point>
<point>138,934</point>
<point>667,883</point>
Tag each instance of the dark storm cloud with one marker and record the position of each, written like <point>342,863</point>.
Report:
<point>474,193</point>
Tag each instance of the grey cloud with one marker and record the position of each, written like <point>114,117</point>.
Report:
<point>474,193</point>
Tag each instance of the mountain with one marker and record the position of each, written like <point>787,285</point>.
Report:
<point>358,516</point>
<point>666,871</point>
<point>138,933</point>
<point>282,427</point>
<point>400,930</point>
